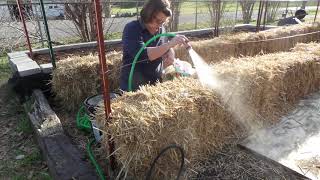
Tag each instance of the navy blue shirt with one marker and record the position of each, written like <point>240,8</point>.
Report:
<point>134,36</point>
<point>287,21</point>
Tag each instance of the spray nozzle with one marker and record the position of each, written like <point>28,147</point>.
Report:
<point>188,45</point>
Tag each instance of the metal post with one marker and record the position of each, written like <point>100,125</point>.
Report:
<point>196,18</point>
<point>53,61</point>
<point>104,76</point>
<point>287,9</point>
<point>218,17</point>
<point>259,16</point>
<point>39,25</point>
<point>315,16</point>
<point>217,20</point>
<point>237,12</point>
<point>137,10</point>
<point>25,28</point>
<point>265,15</point>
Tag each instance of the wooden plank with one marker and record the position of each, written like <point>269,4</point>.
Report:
<point>64,160</point>
<point>44,119</point>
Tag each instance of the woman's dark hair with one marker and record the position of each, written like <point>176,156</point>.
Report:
<point>300,14</point>
<point>152,7</point>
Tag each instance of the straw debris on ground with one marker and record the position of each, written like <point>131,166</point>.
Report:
<point>77,78</point>
<point>251,44</point>
<point>253,92</point>
<point>233,162</point>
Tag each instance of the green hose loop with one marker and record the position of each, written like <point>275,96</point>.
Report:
<point>94,162</point>
<point>138,55</point>
<point>83,120</point>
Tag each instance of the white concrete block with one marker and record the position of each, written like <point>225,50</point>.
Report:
<point>18,60</point>
<point>13,62</point>
<point>46,68</point>
<point>28,68</point>
<point>17,54</point>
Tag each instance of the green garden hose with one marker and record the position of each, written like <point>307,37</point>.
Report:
<point>94,162</point>
<point>83,123</point>
<point>138,55</point>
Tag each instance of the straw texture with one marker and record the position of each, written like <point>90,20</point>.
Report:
<point>77,78</point>
<point>250,44</point>
<point>251,93</point>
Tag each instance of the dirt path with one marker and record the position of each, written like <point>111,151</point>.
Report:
<point>20,157</point>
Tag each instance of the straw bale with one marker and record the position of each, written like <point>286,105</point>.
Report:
<point>250,44</point>
<point>253,92</point>
<point>77,78</point>
<point>312,48</point>
<point>272,83</point>
<point>72,85</point>
<point>175,112</point>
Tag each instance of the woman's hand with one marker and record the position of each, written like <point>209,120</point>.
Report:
<point>179,40</point>
<point>168,58</point>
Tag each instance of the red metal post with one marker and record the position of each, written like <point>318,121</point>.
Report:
<point>24,27</point>
<point>104,77</point>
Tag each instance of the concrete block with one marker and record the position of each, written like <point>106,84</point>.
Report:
<point>18,60</point>
<point>17,54</point>
<point>28,68</point>
<point>46,68</point>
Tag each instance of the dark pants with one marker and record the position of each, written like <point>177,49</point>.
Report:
<point>138,80</point>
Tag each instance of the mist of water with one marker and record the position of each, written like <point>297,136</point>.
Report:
<point>206,75</point>
<point>209,78</point>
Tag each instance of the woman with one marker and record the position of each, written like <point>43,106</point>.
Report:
<point>158,55</point>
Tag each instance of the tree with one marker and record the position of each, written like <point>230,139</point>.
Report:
<point>107,9</point>
<point>78,12</point>
<point>303,5</point>
<point>247,9</point>
<point>174,20</point>
<point>214,8</point>
<point>272,10</point>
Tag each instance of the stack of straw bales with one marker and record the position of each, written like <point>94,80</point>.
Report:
<point>77,78</point>
<point>251,92</point>
<point>250,44</point>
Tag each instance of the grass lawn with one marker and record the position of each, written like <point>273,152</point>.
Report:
<point>20,157</point>
<point>202,7</point>
<point>4,69</point>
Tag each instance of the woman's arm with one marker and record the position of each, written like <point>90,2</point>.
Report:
<point>168,58</point>
<point>156,52</point>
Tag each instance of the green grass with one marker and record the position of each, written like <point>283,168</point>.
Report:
<point>19,140</point>
<point>190,26</point>
<point>22,168</point>
<point>113,35</point>
<point>116,10</point>
<point>202,7</point>
<point>32,158</point>
<point>4,68</point>
<point>24,125</point>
